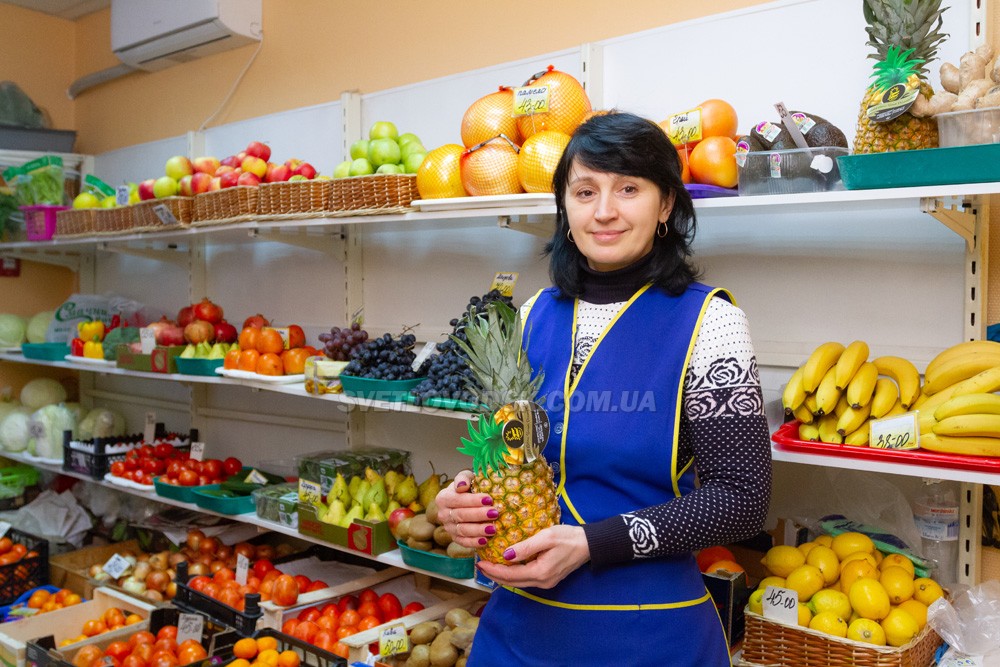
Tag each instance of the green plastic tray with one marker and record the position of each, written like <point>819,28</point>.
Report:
<point>932,166</point>
<point>184,494</point>
<point>382,390</point>
<point>237,505</point>
<point>45,351</point>
<point>198,366</point>
<point>459,568</point>
<point>443,403</point>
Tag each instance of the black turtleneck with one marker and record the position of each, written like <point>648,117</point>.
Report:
<point>602,287</point>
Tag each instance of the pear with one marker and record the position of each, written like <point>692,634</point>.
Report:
<point>392,506</point>
<point>415,507</point>
<point>321,512</point>
<point>354,513</point>
<point>202,350</point>
<point>376,494</point>
<point>188,352</point>
<point>360,493</point>
<point>392,478</point>
<point>375,513</point>
<point>429,488</point>
<point>338,491</point>
<point>372,476</point>
<point>335,514</point>
<point>352,486</point>
<point>406,490</point>
<point>218,351</point>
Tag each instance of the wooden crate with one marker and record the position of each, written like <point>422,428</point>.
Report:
<point>71,570</point>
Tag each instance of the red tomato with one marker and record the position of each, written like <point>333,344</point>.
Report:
<point>163,450</point>
<point>288,627</point>
<point>369,622</point>
<point>118,650</point>
<point>368,609</point>
<point>306,631</point>
<point>131,463</point>
<point>390,606</point>
<point>134,660</point>
<point>167,632</point>
<point>317,585</point>
<point>412,608</point>
<point>198,583</point>
<point>303,581</point>
<point>262,567</point>
<point>204,479</point>
<point>367,595</point>
<point>232,465</point>
<point>191,654</point>
<point>212,468</point>
<point>118,468</point>
<point>145,478</point>
<point>188,478</point>
<point>308,614</point>
<point>286,591</point>
<point>142,637</point>
<point>330,608</point>
<point>347,602</point>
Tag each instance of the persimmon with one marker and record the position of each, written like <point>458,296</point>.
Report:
<point>294,360</point>
<point>245,648</point>
<point>248,338</point>
<point>38,598</point>
<point>269,363</point>
<point>713,162</point>
<point>289,658</point>
<point>270,340</point>
<point>247,361</point>
<point>231,360</point>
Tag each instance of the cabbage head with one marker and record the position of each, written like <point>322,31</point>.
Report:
<point>48,440</point>
<point>12,330</point>
<point>6,407</point>
<point>79,412</point>
<point>14,430</point>
<point>40,392</point>
<point>101,423</point>
<point>38,325</point>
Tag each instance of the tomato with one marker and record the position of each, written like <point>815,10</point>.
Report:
<point>174,468</point>
<point>288,627</point>
<point>118,650</point>
<point>330,608</point>
<point>167,632</point>
<point>143,636</point>
<point>188,478</point>
<point>294,360</point>
<point>134,660</point>
<point>412,608</point>
<point>367,595</point>
<point>163,659</point>
<point>146,451</point>
<point>390,606</point>
<point>369,622</point>
<point>296,337</point>
<point>349,618</point>
<point>145,478</point>
<point>230,361</point>
<point>231,466</point>
<point>212,468</point>
<point>308,614</point>
<point>269,363</point>
<point>286,591</point>
<point>325,639</point>
<point>118,468</point>
<point>347,602</point>
<point>303,581</point>
<point>328,621</point>
<point>248,360</point>
<point>316,585</point>
<point>368,608</point>
<point>341,649</point>
<point>204,479</point>
<point>131,463</point>
<point>306,631</point>
<point>165,644</point>
<point>262,567</point>
<point>163,450</point>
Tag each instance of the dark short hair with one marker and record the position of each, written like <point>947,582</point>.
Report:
<point>623,143</point>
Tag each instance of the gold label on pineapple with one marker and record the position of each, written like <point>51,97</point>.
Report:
<point>892,102</point>
<point>524,430</point>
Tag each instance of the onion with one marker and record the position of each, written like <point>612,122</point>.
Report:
<point>133,586</point>
<point>209,545</point>
<point>171,573</point>
<point>264,551</point>
<point>194,538</point>
<point>142,570</point>
<point>153,596</point>
<point>101,576</point>
<point>175,558</point>
<point>245,549</point>
<point>283,549</point>
<point>95,570</point>
<point>215,566</point>
<point>142,557</point>
<point>132,560</point>
<point>170,591</point>
<point>157,580</point>
<point>223,552</point>
<point>159,561</point>
<point>197,569</point>
<point>205,559</point>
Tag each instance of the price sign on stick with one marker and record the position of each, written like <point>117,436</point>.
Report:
<point>197,451</point>
<point>781,604</point>
<point>189,626</point>
<point>149,431</point>
<point>393,641</point>
<point>147,340</point>
<point>242,569</point>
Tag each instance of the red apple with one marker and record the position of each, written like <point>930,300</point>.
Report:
<point>305,169</point>
<point>242,155</point>
<point>200,182</point>
<point>223,169</point>
<point>398,515</point>
<point>231,161</point>
<point>146,189</point>
<point>292,163</point>
<point>216,184</point>
<point>259,149</point>
<point>248,178</point>
<point>178,167</point>
<point>205,164</point>
<point>184,186</point>
<point>277,173</point>
<point>229,179</point>
<point>254,165</point>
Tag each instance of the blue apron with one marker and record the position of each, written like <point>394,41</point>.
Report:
<point>613,444</point>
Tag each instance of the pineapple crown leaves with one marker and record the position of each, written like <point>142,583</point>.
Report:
<point>485,445</point>
<point>905,24</point>
<point>896,68</point>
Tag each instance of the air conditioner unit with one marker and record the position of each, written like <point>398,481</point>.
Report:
<point>156,34</point>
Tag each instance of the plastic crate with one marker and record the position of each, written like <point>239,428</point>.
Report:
<point>187,599</point>
<point>5,610</point>
<point>45,351</point>
<point>14,480</point>
<point>459,568</point>
<point>94,457</point>
<point>28,573</point>
<point>40,221</point>
<point>309,654</point>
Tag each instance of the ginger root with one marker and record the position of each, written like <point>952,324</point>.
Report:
<point>950,78</point>
<point>990,99</point>
<point>970,93</point>
<point>972,67</point>
<point>941,102</point>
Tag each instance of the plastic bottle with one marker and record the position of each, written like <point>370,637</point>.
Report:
<point>936,514</point>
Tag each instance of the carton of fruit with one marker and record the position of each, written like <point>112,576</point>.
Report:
<point>72,569</point>
<point>68,622</point>
<point>729,591</point>
<point>161,360</point>
<point>368,537</point>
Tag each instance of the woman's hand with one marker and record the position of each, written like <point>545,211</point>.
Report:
<point>468,517</point>
<point>559,550</point>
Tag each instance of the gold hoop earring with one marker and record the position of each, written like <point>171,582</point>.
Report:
<point>569,235</point>
<point>665,230</point>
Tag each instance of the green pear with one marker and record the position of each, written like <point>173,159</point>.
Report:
<point>372,476</point>
<point>338,491</point>
<point>393,505</point>
<point>202,350</point>
<point>217,351</point>
<point>406,490</point>
<point>375,513</point>
<point>429,488</point>
<point>335,514</point>
<point>360,493</point>
<point>392,478</point>
<point>321,512</point>
<point>352,486</point>
<point>354,513</point>
<point>188,352</point>
<point>376,494</point>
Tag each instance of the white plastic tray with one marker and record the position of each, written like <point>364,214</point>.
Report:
<point>256,377</point>
<point>90,361</point>
<point>495,201</point>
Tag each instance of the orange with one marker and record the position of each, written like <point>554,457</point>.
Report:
<point>710,555</point>
<point>718,119</point>
<point>245,648</point>
<point>267,643</point>
<point>132,619</point>
<point>288,658</point>
<point>713,162</point>
<point>38,598</point>
<point>239,662</point>
<point>724,566</point>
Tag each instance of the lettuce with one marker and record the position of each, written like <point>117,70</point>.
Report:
<point>47,441</point>
<point>14,433</point>
<point>12,330</point>
<point>40,392</point>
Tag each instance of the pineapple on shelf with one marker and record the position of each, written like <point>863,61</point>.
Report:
<point>506,441</point>
<point>905,35</point>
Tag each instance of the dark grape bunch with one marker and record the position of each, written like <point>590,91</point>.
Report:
<point>340,343</point>
<point>448,370</point>
<point>384,358</point>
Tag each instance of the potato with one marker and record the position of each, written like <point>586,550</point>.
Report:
<point>421,529</point>
<point>455,616</point>
<point>461,637</point>
<point>442,536</point>
<point>420,656</point>
<point>461,661</point>
<point>950,79</point>
<point>424,633</point>
<point>443,654</point>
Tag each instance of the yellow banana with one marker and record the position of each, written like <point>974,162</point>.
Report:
<point>904,373</point>
<point>859,437</point>
<point>862,386</point>
<point>809,432</point>
<point>885,396</point>
<point>812,404</point>
<point>897,409</point>
<point>818,363</point>
<point>850,361</point>
<point>960,349</point>
<point>803,415</point>
<point>828,430</point>
<point>852,419</point>
<point>986,382</point>
<point>968,404</point>
<point>958,369</point>
<point>921,399</point>
<point>827,393</point>
<point>842,405</point>
<point>925,422</point>
<point>987,426</point>
<point>931,404</point>
<point>968,446</point>
<point>793,394</point>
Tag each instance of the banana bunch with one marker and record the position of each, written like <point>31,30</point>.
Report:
<point>838,390</point>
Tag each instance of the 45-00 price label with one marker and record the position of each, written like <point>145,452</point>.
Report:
<point>781,604</point>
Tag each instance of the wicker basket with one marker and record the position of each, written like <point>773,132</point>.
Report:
<point>767,643</point>
<point>236,203</point>
<point>375,194</point>
<point>291,198</point>
<point>147,219</point>
<point>76,222</point>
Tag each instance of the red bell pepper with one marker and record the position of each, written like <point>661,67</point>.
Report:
<point>76,347</point>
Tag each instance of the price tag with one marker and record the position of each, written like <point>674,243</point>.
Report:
<point>255,477</point>
<point>189,626</point>
<point>309,492</point>
<point>781,604</point>
<point>529,100</point>
<point>504,283</point>
<point>149,429</point>
<point>358,316</point>
<point>684,127</point>
<point>116,566</point>
<point>955,659</point>
<point>425,352</point>
<point>36,429</point>
<point>198,451</point>
<point>242,568</point>
<point>163,212</point>
<point>147,340</point>
<point>4,527</point>
<point>899,432</point>
<point>122,195</point>
<point>393,641</point>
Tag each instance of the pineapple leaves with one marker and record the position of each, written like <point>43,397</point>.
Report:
<point>485,445</point>
<point>906,24</point>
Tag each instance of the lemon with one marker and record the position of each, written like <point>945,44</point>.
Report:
<point>806,547</point>
<point>824,540</point>
<point>867,631</point>
<point>86,200</point>
<point>900,628</point>
<point>848,543</point>
<point>878,557</point>
<point>827,562</point>
<point>898,560</point>
<point>859,555</point>
<point>830,623</point>
<point>771,581</point>
<point>854,570</point>
<point>918,610</point>
<point>806,580</point>
<point>869,599</point>
<point>898,583</point>
<point>831,600</point>
<point>926,590</point>
<point>805,615</point>
<point>756,602</point>
<point>782,559</point>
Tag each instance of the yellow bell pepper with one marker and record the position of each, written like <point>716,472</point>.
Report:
<point>91,331</point>
<point>93,349</point>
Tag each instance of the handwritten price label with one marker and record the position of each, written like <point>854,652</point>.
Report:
<point>393,641</point>
<point>189,626</point>
<point>242,569</point>
<point>899,432</point>
<point>255,477</point>
<point>165,215</point>
<point>122,194</point>
<point>781,604</point>
<point>149,430</point>
<point>116,566</point>
<point>198,451</point>
<point>684,127</point>
<point>504,283</point>
<point>309,491</point>
<point>147,340</point>
<point>529,100</point>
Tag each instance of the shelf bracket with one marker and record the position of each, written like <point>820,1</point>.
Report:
<point>318,240</point>
<point>171,253</point>
<point>541,226</point>
<point>959,218</point>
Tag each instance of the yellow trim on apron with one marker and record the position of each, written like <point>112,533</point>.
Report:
<point>613,607</point>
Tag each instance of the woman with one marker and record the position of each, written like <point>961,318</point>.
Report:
<point>616,582</point>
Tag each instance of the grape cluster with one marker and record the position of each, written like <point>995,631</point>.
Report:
<point>448,370</point>
<point>340,343</point>
<point>384,358</point>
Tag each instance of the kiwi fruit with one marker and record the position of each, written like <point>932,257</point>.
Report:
<point>419,545</point>
<point>456,550</point>
<point>442,536</point>
<point>420,528</point>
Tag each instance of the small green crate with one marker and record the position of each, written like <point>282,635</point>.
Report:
<point>931,166</point>
<point>458,568</point>
<point>198,366</point>
<point>204,499</point>
<point>379,390</point>
<point>45,351</point>
<point>185,494</point>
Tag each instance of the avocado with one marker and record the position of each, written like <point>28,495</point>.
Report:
<point>823,133</point>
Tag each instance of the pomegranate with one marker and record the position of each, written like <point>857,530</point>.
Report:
<point>167,332</point>
<point>257,321</point>
<point>439,175</point>
<point>199,331</point>
<point>225,332</point>
<point>185,316</point>
<point>489,116</point>
<point>491,168</point>
<point>536,163</point>
<point>208,311</point>
<point>568,104</point>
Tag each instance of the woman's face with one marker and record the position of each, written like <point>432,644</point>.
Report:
<point>613,217</point>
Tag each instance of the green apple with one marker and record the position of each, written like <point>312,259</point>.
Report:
<point>412,162</point>
<point>383,151</point>
<point>297,177</point>
<point>109,202</point>
<point>359,149</point>
<point>411,148</point>
<point>86,200</point>
<point>361,167</point>
<point>389,169</point>
<point>164,186</point>
<point>383,129</point>
<point>406,138</point>
<point>342,170</point>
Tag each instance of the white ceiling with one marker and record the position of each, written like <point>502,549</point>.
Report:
<point>66,9</point>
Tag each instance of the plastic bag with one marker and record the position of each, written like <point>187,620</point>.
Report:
<point>86,307</point>
<point>17,109</point>
<point>970,624</point>
<point>41,182</point>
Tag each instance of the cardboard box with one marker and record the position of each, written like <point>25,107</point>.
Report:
<point>730,594</point>
<point>364,536</point>
<point>67,623</point>
<point>162,359</point>
<point>71,570</point>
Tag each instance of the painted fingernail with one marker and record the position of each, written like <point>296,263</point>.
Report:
<point>491,530</point>
<point>492,514</point>
<point>487,500</point>
<point>483,541</point>
<point>461,485</point>
<point>509,554</point>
